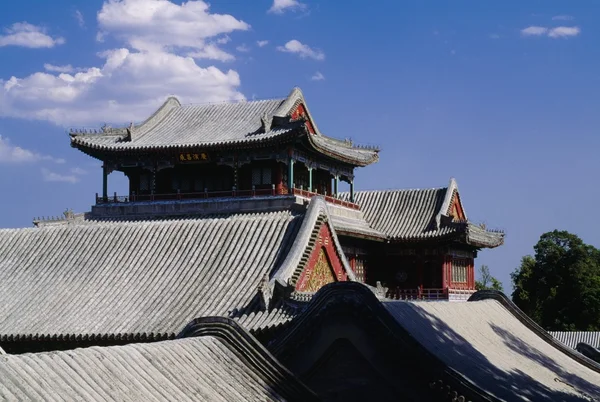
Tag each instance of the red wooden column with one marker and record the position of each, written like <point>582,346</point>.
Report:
<point>278,180</point>
<point>420,271</point>
<point>471,273</point>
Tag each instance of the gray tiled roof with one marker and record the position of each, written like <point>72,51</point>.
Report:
<point>150,277</point>
<point>484,342</point>
<point>403,214</point>
<point>192,369</point>
<point>572,338</point>
<point>416,214</point>
<point>193,125</point>
<point>183,126</point>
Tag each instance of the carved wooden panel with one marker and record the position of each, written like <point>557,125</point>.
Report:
<point>300,113</point>
<point>456,210</point>
<point>324,265</point>
<point>320,275</point>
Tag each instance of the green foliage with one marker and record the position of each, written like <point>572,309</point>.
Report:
<point>559,288</point>
<point>487,282</point>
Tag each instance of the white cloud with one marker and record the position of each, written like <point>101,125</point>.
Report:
<point>280,6</point>
<point>564,32</point>
<point>78,171</point>
<point>243,48</point>
<point>317,76</point>
<point>130,83</point>
<point>223,40</point>
<point>262,43</point>
<point>563,18</point>
<point>160,24</point>
<point>127,87</point>
<point>556,32</point>
<point>494,36</point>
<point>301,50</point>
<point>28,35</point>
<point>211,52</point>
<point>534,31</point>
<point>58,69</point>
<point>79,18</point>
<point>13,154</point>
<point>48,175</point>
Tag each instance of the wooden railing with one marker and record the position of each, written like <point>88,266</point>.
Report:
<point>417,294</point>
<point>183,196</point>
<point>116,199</point>
<point>308,194</point>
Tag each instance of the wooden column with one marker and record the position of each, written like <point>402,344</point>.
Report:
<point>104,182</point>
<point>310,185</point>
<point>278,179</point>
<point>420,271</point>
<point>351,190</point>
<point>290,176</point>
<point>336,181</point>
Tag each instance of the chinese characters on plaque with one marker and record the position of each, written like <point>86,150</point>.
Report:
<point>193,157</point>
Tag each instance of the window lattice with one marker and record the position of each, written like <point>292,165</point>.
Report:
<point>359,269</point>
<point>459,271</point>
<point>145,182</point>
<point>261,176</point>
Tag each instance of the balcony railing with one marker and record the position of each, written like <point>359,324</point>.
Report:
<point>308,194</point>
<point>417,294</point>
<point>118,199</point>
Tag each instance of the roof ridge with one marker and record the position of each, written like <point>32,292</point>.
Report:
<point>233,102</point>
<point>390,190</point>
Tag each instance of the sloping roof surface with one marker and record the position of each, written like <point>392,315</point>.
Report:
<point>572,338</point>
<point>176,126</point>
<point>191,369</point>
<point>149,277</point>
<point>415,215</point>
<point>194,125</point>
<point>489,346</point>
<point>403,214</point>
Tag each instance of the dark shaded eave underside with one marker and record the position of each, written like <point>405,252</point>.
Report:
<point>103,151</point>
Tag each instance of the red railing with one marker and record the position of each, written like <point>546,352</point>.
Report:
<point>416,294</point>
<point>183,196</point>
<point>116,199</point>
<point>333,200</point>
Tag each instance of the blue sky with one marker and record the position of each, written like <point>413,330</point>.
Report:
<point>503,96</point>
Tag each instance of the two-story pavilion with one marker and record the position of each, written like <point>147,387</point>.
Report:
<point>215,150</point>
<point>186,159</point>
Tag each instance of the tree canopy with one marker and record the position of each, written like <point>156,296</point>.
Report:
<point>487,281</point>
<point>559,287</point>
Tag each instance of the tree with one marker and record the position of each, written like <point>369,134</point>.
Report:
<point>559,288</point>
<point>487,282</point>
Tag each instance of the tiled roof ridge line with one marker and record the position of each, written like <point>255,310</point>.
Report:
<point>394,190</point>
<point>363,297</point>
<point>159,115</point>
<point>512,308</point>
<point>234,101</point>
<point>317,209</point>
<point>252,215</point>
<point>250,350</point>
<point>294,98</point>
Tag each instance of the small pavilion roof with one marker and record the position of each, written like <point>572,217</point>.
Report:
<point>418,215</point>
<point>147,279</point>
<point>224,364</point>
<point>238,124</point>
